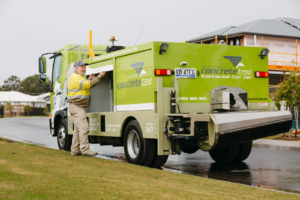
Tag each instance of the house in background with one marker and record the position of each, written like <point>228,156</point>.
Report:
<point>19,101</point>
<point>45,97</point>
<point>280,35</point>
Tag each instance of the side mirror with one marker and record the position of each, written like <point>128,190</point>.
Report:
<point>42,65</point>
<point>43,78</point>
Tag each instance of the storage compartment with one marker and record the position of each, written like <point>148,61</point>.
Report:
<point>102,95</point>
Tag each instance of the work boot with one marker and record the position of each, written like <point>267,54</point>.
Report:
<point>90,153</point>
<point>79,153</point>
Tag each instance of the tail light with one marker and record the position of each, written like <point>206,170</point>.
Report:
<point>163,72</point>
<point>262,74</point>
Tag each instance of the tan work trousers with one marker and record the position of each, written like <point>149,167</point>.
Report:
<point>81,130</point>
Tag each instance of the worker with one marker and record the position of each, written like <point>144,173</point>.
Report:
<point>79,98</point>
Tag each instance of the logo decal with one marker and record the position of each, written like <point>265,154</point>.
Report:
<point>234,60</point>
<point>138,68</point>
<point>240,65</point>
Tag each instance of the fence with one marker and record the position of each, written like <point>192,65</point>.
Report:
<point>2,110</point>
<point>36,111</point>
<point>19,111</point>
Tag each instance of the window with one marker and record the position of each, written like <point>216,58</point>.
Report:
<point>56,68</point>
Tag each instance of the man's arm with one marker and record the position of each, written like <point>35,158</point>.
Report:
<point>91,77</point>
<point>96,79</point>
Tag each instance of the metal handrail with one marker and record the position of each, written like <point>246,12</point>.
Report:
<point>73,49</point>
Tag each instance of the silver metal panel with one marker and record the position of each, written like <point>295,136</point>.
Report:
<point>102,95</point>
<point>220,98</point>
<point>229,122</point>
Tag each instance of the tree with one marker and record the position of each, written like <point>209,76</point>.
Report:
<point>45,110</point>
<point>12,83</point>
<point>289,91</point>
<point>27,109</point>
<point>9,107</point>
<point>31,85</point>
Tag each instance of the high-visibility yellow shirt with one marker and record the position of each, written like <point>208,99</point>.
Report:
<point>78,87</point>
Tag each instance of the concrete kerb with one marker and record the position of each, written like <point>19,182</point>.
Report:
<point>277,143</point>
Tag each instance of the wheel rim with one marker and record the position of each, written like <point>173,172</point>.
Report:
<point>133,144</point>
<point>61,136</point>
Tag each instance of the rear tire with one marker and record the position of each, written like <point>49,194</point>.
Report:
<point>158,161</point>
<point>149,152</point>
<point>244,151</point>
<point>225,154</point>
<point>64,140</point>
<point>134,144</point>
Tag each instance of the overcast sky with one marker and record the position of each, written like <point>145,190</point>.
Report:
<point>29,28</point>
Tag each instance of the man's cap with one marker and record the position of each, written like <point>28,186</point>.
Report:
<point>79,63</point>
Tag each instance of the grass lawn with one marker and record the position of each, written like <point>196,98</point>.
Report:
<point>32,172</point>
<point>279,137</point>
<point>275,136</point>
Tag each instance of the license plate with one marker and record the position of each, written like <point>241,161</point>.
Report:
<point>185,72</point>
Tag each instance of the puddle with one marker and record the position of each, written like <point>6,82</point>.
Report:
<point>275,189</point>
<point>255,170</point>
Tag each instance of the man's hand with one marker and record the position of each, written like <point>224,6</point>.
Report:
<point>102,74</point>
<point>92,76</point>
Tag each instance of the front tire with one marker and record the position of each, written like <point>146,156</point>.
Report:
<point>225,154</point>
<point>64,140</point>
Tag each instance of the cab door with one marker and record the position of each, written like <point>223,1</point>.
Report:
<point>55,95</point>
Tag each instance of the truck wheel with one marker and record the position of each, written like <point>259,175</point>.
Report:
<point>225,154</point>
<point>149,152</point>
<point>134,144</point>
<point>158,161</point>
<point>64,140</point>
<point>244,151</point>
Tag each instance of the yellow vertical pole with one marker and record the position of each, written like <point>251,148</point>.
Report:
<point>226,39</point>
<point>91,48</point>
<point>262,41</point>
<point>216,40</point>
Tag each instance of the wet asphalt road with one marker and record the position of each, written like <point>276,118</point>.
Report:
<point>268,167</point>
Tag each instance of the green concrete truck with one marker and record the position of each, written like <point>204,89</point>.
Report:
<point>164,98</point>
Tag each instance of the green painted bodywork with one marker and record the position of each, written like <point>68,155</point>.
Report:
<point>201,57</point>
